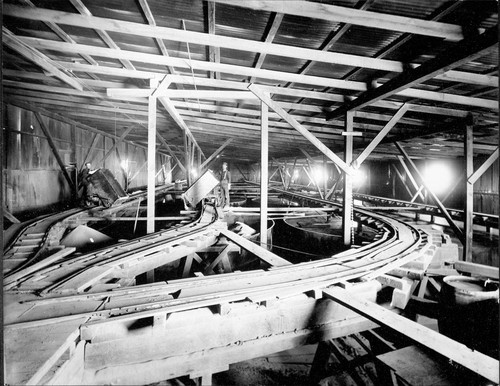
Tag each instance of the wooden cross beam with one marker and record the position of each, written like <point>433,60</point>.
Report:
<point>115,144</point>
<point>247,71</point>
<point>486,164</point>
<point>464,52</point>
<point>354,16</point>
<point>381,134</point>
<point>458,232</point>
<point>41,60</point>
<point>42,14</point>
<point>216,153</point>
<point>480,363</point>
<point>302,130</point>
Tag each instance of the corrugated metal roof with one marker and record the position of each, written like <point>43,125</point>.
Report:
<point>254,25</point>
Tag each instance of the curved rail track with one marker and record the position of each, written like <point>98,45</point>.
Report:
<point>74,318</point>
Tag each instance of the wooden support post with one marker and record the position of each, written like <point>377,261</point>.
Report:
<point>264,160</point>
<point>469,192</point>
<point>325,176</point>
<point>188,262</point>
<point>410,177</point>
<point>55,151</point>
<point>456,229</point>
<point>186,159</point>
<point>150,224</point>
<point>400,176</point>
<point>347,203</point>
<point>319,367</point>
<point>292,174</point>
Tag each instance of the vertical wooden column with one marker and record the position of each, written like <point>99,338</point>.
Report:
<point>347,193</point>
<point>150,223</point>
<point>325,177</point>
<point>187,157</point>
<point>264,160</point>
<point>469,191</point>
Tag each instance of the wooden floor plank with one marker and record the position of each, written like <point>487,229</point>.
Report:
<point>31,352</point>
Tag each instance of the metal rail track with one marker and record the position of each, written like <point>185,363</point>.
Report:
<point>80,294</point>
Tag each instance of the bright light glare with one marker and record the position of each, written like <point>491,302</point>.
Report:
<point>358,178</point>
<point>438,177</point>
<point>319,174</point>
<point>295,174</point>
<point>194,173</point>
<point>124,164</point>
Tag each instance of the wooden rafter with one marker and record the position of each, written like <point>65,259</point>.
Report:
<point>245,71</point>
<point>213,51</point>
<point>330,96</point>
<point>215,40</point>
<point>41,60</point>
<point>64,36</point>
<point>303,131</point>
<point>216,153</point>
<point>80,7</point>
<point>354,16</point>
<point>463,52</point>
<point>151,20</point>
<point>277,18</point>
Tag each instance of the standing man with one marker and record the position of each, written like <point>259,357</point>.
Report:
<point>225,185</point>
<point>85,182</point>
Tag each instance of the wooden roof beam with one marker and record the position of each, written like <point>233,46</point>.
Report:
<point>216,153</point>
<point>246,71</point>
<point>463,52</point>
<point>277,18</point>
<point>80,7</point>
<point>354,16</point>
<point>271,89</point>
<point>213,51</point>
<point>41,60</point>
<point>381,134</point>
<point>64,36</point>
<point>180,35</point>
<point>303,131</point>
<point>334,37</point>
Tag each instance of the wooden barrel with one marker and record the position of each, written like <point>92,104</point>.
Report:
<point>468,312</point>
<point>462,290</point>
